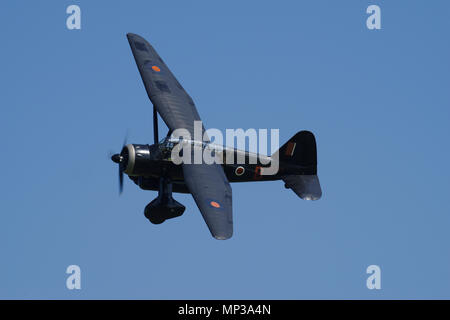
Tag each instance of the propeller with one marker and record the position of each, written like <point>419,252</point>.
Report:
<point>122,160</point>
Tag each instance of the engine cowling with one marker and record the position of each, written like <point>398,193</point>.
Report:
<point>137,160</point>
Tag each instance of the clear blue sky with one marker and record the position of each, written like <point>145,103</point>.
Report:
<point>377,101</point>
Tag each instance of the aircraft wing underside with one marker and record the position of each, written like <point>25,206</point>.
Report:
<point>173,103</point>
<point>206,182</point>
<point>212,194</point>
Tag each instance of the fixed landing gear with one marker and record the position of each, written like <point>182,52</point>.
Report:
<point>164,206</point>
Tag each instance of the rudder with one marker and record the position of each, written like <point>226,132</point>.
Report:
<point>301,150</point>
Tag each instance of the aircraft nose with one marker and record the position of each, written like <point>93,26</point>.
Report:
<point>116,158</point>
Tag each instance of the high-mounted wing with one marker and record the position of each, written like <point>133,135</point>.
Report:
<point>206,182</point>
<point>212,194</point>
<point>170,99</point>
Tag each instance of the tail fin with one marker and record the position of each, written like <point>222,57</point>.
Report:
<point>301,150</point>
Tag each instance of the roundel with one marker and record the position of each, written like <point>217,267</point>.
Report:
<point>156,68</point>
<point>239,171</point>
<point>214,204</point>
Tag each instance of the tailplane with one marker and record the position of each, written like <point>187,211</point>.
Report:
<point>306,187</point>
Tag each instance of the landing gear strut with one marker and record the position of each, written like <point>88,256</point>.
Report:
<point>164,206</point>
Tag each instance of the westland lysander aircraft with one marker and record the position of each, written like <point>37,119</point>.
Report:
<point>151,166</point>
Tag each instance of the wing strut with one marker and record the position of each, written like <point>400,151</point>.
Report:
<point>155,125</point>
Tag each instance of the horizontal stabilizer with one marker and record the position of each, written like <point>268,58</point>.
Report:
<point>306,187</point>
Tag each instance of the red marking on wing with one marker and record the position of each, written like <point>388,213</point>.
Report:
<point>214,204</point>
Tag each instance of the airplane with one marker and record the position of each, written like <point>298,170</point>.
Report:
<point>151,167</point>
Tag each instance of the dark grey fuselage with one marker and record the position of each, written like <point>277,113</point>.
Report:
<point>151,163</point>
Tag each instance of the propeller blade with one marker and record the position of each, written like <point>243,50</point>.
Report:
<point>125,139</point>
<point>120,178</point>
<point>121,160</point>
